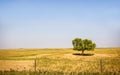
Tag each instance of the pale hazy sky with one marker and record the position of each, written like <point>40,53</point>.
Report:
<point>54,23</point>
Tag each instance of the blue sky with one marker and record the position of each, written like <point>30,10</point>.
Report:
<point>54,23</point>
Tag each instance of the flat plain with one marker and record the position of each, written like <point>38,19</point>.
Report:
<point>64,60</point>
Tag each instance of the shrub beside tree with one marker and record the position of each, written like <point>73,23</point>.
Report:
<point>82,45</point>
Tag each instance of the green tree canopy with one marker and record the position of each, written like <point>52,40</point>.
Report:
<point>82,45</point>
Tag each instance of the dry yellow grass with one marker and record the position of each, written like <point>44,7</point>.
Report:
<point>16,65</point>
<point>60,60</point>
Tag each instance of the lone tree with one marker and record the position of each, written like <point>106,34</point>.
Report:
<point>82,45</point>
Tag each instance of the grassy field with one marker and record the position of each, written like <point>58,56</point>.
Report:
<point>63,61</point>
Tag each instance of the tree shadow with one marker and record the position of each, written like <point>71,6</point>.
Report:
<point>79,54</point>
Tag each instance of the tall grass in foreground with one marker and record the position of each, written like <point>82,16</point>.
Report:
<point>79,65</point>
<point>39,72</point>
<point>63,66</point>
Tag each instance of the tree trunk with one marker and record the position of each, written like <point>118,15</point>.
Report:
<point>82,52</point>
